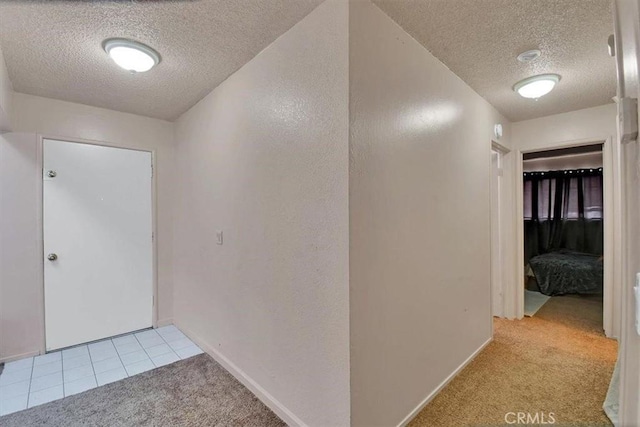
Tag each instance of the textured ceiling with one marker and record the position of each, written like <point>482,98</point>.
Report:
<point>480,39</point>
<point>54,48</point>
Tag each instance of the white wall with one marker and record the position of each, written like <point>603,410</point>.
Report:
<point>6,91</point>
<point>20,279</point>
<point>597,124</point>
<point>264,158</point>
<point>419,192</point>
<point>21,314</point>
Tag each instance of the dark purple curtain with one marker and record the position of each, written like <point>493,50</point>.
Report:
<point>563,210</point>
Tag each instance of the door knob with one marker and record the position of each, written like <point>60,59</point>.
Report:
<point>52,257</point>
<point>51,174</point>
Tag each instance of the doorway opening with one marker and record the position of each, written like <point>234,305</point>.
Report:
<point>564,233</point>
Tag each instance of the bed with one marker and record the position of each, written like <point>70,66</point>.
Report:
<point>567,272</point>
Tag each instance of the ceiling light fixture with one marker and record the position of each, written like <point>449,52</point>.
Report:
<point>536,86</point>
<point>529,55</point>
<point>132,56</point>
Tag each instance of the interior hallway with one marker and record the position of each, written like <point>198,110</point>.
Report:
<point>557,361</point>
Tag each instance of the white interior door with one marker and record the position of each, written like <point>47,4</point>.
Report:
<point>97,219</point>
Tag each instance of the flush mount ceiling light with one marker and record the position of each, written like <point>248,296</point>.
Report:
<point>536,86</point>
<point>132,56</point>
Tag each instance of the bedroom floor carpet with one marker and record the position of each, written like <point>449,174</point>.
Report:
<point>193,392</point>
<point>557,361</point>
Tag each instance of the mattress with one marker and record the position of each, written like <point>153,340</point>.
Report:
<point>567,272</point>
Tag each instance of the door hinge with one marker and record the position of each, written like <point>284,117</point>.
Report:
<point>153,236</point>
<point>151,170</point>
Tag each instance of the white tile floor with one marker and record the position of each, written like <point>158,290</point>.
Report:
<point>36,380</point>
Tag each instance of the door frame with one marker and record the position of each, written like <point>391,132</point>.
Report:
<point>40,225</point>
<point>611,217</point>
<point>500,217</point>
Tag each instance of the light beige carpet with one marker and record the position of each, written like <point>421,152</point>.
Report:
<point>557,361</point>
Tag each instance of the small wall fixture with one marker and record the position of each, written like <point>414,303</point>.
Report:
<point>536,86</point>
<point>130,55</point>
<point>529,55</point>
<point>497,130</point>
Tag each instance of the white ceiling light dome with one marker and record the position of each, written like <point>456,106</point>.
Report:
<point>536,86</point>
<point>130,55</point>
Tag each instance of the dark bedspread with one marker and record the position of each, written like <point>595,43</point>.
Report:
<point>567,272</point>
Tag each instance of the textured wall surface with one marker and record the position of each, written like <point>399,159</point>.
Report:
<point>553,131</point>
<point>419,219</point>
<point>21,310</point>
<point>6,89</point>
<point>479,41</point>
<point>63,119</point>
<point>54,48</point>
<point>264,158</point>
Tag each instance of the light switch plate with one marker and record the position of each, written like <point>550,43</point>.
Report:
<point>219,237</point>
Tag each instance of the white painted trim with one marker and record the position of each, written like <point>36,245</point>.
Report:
<point>508,224</point>
<point>496,270</point>
<point>154,216</point>
<point>497,217</point>
<point>164,322</point>
<point>276,406</point>
<point>499,147</point>
<point>40,261</point>
<point>518,307</point>
<point>19,356</point>
<point>612,250</point>
<point>442,385</point>
<point>612,215</point>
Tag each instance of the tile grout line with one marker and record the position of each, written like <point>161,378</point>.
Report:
<point>33,363</point>
<point>62,372</point>
<point>118,353</point>
<point>119,358</point>
<point>145,350</point>
<point>95,377</point>
<point>18,382</point>
<point>133,334</point>
<point>170,347</point>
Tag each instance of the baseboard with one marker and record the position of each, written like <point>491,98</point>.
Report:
<point>280,410</point>
<point>164,322</point>
<point>442,385</point>
<point>19,356</point>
